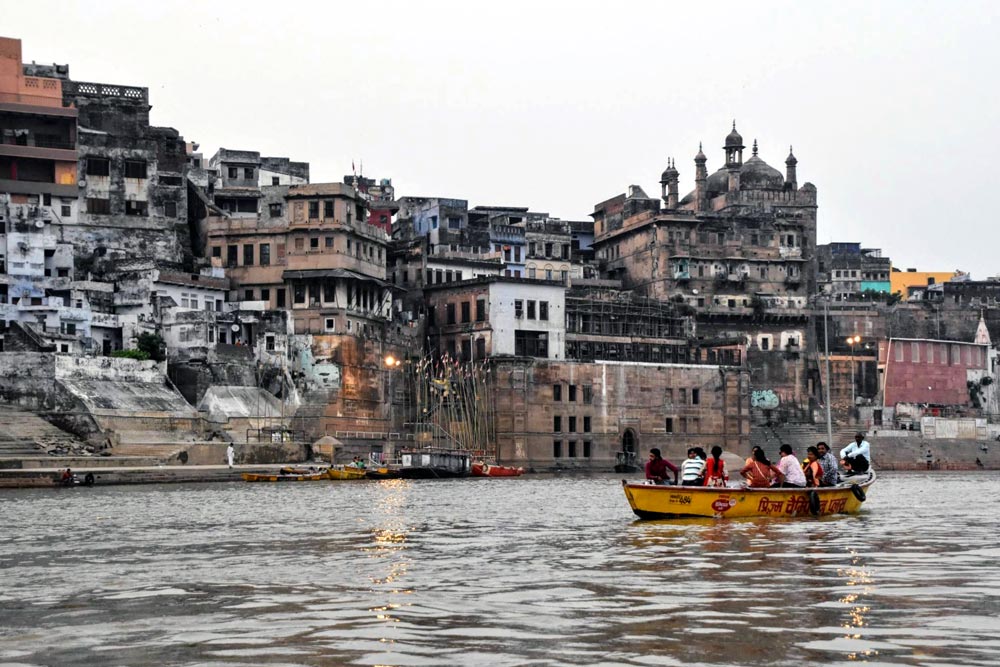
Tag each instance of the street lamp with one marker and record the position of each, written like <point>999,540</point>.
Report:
<point>852,341</point>
<point>391,361</point>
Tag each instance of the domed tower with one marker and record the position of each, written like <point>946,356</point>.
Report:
<point>790,177</point>
<point>700,180</point>
<point>734,158</point>
<point>668,184</point>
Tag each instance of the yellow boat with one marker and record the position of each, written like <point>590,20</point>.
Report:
<point>651,501</point>
<point>294,476</point>
<point>346,472</point>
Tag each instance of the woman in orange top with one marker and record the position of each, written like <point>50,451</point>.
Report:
<point>759,472</point>
<point>715,469</point>
<point>813,469</point>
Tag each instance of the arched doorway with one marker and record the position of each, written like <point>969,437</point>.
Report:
<point>626,459</point>
<point>629,442</point>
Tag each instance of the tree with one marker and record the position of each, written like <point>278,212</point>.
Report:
<point>152,345</point>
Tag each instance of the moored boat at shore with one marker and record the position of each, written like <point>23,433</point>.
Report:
<point>346,472</point>
<point>434,463</point>
<point>650,501</point>
<point>288,475</point>
<point>483,469</point>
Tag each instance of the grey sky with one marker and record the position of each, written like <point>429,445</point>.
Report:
<point>892,106</point>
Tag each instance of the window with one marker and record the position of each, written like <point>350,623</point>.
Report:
<point>695,396</point>
<point>313,210</point>
<point>531,344</point>
<point>248,295</point>
<point>548,274</point>
<point>930,353</point>
<point>280,297</point>
<point>682,395</point>
<point>133,207</point>
<point>518,308</point>
<point>557,392</point>
<point>248,173</point>
<point>300,293</point>
<point>329,292</point>
<point>557,449</point>
<point>248,254</point>
<point>450,310</point>
<point>314,243</point>
<point>557,423</point>
<point>572,392</point>
<point>330,323</point>
<point>232,256</point>
<point>300,243</point>
<point>329,241</point>
<point>265,254</point>
<point>765,343</point>
<point>98,206</point>
<point>275,180</point>
<point>531,273</point>
<point>466,350</point>
<point>98,166</point>
<point>170,209</point>
<point>572,424</point>
<point>135,169</point>
<point>915,352</point>
<point>543,311</point>
<point>899,351</point>
<point>233,172</point>
<point>480,348</point>
<point>548,250</point>
<point>217,251</point>
<point>275,210</point>
<point>586,424</point>
<point>588,394</point>
<point>328,209</point>
<point>466,312</point>
<point>563,275</point>
<point>65,210</point>
<point>586,449</point>
<point>531,310</point>
<point>480,307</point>
<point>265,295</point>
<point>68,328</point>
<point>448,276</point>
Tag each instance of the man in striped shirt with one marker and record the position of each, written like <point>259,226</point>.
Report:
<point>693,469</point>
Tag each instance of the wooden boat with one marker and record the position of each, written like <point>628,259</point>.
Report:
<point>434,463</point>
<point>483,469</point>
<point>651,501</point>
<point>346,472</point>
<point>297,476</point>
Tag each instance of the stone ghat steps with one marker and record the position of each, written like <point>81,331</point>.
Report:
<point>178,438</point>
<point>27,427</point>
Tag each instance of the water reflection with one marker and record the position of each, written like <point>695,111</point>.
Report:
<point>501,572</point>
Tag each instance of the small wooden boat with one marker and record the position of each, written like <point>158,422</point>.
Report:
<point>650,501</point>
<point>483,469</point>
<point>346,472</point>
<point>304,476</point>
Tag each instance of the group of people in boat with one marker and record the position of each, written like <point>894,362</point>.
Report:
<point>819,468</point>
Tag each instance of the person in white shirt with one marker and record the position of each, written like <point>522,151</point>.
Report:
<point>230,451</point>
<point>790,468</point>
<point>856,457</point>
<point>693,469</point>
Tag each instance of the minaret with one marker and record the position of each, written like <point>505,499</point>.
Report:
<point>790,177</point>
<point>668,183</point>
<point>700,180</point>
<point>734,158</point>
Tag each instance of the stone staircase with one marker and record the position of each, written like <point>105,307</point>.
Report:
<point>24,434</point>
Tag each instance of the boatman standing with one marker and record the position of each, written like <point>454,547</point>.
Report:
<point>856,457</point>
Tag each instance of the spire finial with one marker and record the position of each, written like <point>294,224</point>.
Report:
<point>734,123</point>
<point>755,147</point>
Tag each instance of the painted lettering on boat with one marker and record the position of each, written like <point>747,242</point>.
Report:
<point>799,505</point>
<point>679,499</point>
<point>723,503</point>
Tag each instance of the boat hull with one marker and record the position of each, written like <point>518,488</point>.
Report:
<point>383,473</point>
<point>650,501</point>
<point>414,472</point>
<point>346,473</point>
<point>488,470</point>
<point>268,477</point>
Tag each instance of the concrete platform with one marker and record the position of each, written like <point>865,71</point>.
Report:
<point>121,474</point>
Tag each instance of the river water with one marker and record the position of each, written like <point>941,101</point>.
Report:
<point>537,570</point>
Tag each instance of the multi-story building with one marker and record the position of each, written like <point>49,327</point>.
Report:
<point>847,271</point>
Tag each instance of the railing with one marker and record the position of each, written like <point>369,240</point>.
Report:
<point>106,90</point>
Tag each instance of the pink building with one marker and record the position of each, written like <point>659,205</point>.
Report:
<point>930,371</point>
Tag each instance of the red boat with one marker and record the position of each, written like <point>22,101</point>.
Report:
<point>492,470</point>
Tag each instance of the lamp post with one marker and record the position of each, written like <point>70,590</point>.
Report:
<point>852,341</point>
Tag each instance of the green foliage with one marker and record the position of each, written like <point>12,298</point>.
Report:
<point>152,345</point>
<point>140,355</point>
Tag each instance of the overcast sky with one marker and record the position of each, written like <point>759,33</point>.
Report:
<point>892,106</point>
